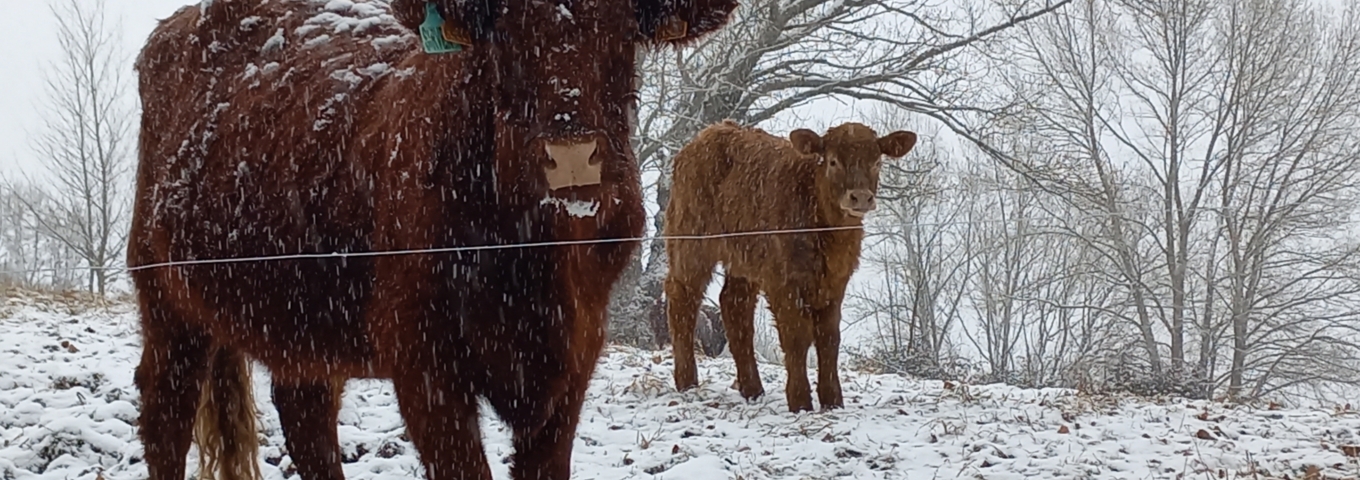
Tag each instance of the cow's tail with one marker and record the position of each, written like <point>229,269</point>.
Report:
<point>224,429</point>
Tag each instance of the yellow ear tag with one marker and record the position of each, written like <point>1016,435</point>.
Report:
<point>673,29</point>
<point>455,35</point>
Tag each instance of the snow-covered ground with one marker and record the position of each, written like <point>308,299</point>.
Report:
<point>67,410</point>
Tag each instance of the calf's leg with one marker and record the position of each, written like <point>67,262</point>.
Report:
<point>827,335</point>
<point>795,336</point>
<point>308,413</point>
<point>685,284</point>
<point>737,303</point>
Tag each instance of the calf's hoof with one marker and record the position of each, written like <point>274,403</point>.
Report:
<point>800,406</point>
<point>749,391</point>
<point>831,400</point>
<point>686,376</point>
<point>683,383</point>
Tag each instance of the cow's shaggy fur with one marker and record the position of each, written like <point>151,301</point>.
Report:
<point>313,127</point>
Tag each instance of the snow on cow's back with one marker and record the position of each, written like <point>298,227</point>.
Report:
<point>231,88</point>
<point>277,43</point>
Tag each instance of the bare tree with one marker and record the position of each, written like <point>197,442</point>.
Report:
<point>1215,145</point>
<point>1066,80</point>
<point>83,144</point>
<point>916,243</point>
<point>27,256</point>
<point>1167,98</point>
<point>1291,108</point>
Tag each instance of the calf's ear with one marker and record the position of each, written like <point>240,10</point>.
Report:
<point>806,141</point>
<point>897,144</point>
<point>679,22</point>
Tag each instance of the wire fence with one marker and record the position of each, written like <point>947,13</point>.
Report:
<point>473,248</point>
<point>470,248</point>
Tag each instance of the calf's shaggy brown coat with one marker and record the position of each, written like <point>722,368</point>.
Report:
<point>731,179</point>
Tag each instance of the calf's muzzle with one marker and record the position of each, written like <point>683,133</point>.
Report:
<point>858,202</point>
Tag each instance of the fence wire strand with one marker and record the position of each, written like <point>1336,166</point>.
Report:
<point>438,250</point>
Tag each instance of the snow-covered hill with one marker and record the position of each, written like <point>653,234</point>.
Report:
<point>67,410</point>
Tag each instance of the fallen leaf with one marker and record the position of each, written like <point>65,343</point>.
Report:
<point>1312,472</point>
<point>1203,434</point>
<point>1063,430</point>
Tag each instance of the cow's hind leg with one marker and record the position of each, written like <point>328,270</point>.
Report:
<point>685,284</point>
<point>442,421</point>
<point>737,303</point>
<point>169,379</point>
<point>308,413</point>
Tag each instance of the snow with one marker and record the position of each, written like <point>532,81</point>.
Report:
<point>274,43</point>
<point>347,76</point>
<point>68,406</point>
<point>575,208</point>
<point>389,41</point>
<point>317,40</point>
<point>328,109</point>
<point>564,12</point>
<point>376,70</point>
<point>250,22</point>
<point>342,16</point>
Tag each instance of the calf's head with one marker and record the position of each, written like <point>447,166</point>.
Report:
<point>564,75</point>
<point>848,160</point>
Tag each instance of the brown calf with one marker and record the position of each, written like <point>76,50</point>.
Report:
<point>731,179</point>
<point>293,127</point>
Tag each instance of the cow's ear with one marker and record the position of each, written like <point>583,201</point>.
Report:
<point>462,22</point>
<point>680,22</point>
<point>806,141</point>
<point>897,144</point>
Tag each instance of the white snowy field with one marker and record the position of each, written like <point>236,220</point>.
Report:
<point>68,410</point>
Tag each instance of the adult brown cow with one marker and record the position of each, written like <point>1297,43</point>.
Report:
<point>731,179</point>
<point>295,127</point>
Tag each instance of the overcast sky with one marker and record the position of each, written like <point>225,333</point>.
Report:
<point>28,36</point>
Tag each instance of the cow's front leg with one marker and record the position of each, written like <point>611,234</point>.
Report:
<point>826,334</point>
<point>442,423</point>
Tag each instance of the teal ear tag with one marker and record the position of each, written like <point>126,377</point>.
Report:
<point>431,33</point>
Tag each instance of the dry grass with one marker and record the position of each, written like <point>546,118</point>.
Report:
<point>71,302</point>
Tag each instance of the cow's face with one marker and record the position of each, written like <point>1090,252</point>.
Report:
<point>849,158</point>
<point>566,70</point>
